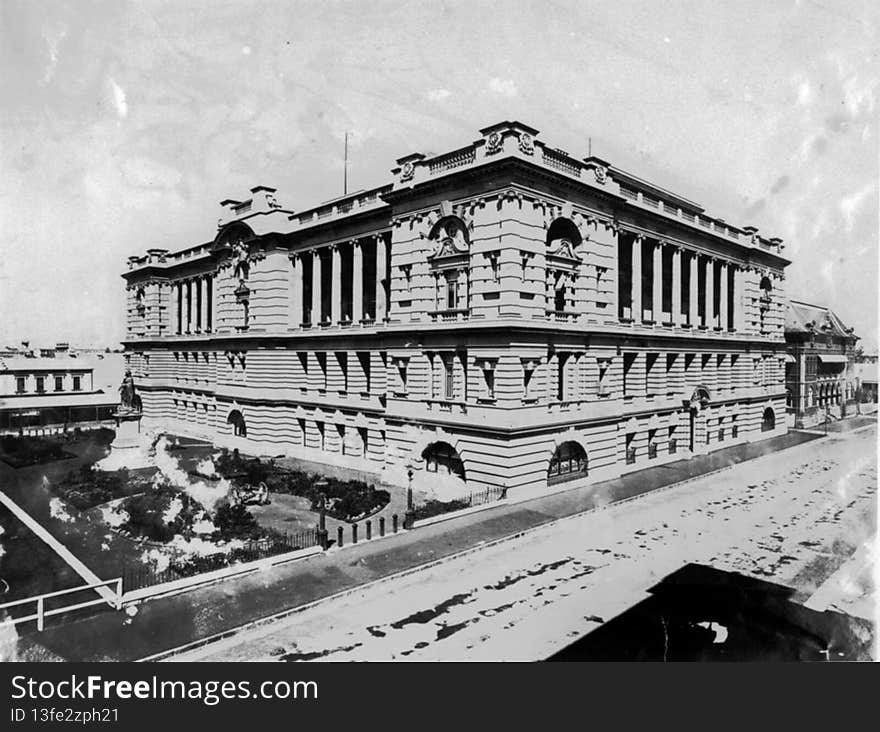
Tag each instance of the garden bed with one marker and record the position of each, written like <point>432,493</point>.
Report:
<point>86,488</point>
<point>346,500</point>
<point>433,508</point>
<point>19,452</point>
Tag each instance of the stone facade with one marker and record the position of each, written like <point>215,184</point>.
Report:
<point>504,311</point>
<point>820,374</point>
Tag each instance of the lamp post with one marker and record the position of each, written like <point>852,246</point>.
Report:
<point>408,518</point>
<point>323,540</point>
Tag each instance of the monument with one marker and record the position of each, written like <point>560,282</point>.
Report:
<point>129,449</point>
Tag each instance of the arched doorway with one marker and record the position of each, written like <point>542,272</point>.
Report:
<point>239,427</point>
<point>768,421</point>
<point>441,457</point>
<point>569,462</point>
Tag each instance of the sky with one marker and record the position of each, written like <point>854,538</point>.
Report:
<point>125,123</point>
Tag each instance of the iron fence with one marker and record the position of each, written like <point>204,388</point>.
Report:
<point>476,498</point>
<point>137,577</point>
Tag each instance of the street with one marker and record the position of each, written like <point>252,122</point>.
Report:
<point>804,518</point>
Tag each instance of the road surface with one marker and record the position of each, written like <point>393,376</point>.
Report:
<point>805,518</point>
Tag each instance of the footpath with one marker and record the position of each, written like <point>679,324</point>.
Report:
<point>209,613</point>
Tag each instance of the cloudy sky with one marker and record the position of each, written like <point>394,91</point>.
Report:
<point>125,123</point>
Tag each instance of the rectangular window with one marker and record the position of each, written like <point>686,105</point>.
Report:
<point>652,444</point>
<point>322,365</point>
<point>528,376</point>
<point>364,358</point>
<point>494,266</point>
<point>342,359</point>
<point>629,360</point>
<point>401,364</point>
<point>449,377</point>
<point>488,369</point>
<point>673,441</point>
<point>452,293</point>
<point>19,384</point>
<point>59,383</point>
<point>630,448</point>
<point>604,388</point>
<point>650,365</point>
<point>41,384</point>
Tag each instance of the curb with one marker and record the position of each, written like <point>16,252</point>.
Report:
<point>253,624</point>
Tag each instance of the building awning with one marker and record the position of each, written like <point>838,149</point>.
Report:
<point>832,358</point>
<point>789,358</point>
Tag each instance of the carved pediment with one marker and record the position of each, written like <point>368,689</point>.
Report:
<point>562,249</point>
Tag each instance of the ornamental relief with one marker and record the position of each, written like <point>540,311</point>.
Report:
<point>451,237</point>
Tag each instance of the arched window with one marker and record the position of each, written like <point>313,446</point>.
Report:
<point>563,233</point>
<point>139,297</point>
<point>569,462</point>
<point>768,421</point>
<point>441,457</point>
<point>563,239</point>
<point>239,428</point>
<point>449,265</point>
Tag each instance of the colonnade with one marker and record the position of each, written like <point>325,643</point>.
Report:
<point>193,304</point>
<point>716,273</point>
<point>307,269</point>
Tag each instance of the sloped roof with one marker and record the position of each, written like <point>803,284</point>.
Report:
<point>799,314</point>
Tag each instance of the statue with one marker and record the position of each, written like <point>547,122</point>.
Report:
<point>127,398</point>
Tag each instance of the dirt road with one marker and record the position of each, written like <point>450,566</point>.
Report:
<point>794,518</point>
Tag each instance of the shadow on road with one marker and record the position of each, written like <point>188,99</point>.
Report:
<point>699,613</point>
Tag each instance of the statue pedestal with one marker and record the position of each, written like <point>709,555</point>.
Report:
<point>128,449</point>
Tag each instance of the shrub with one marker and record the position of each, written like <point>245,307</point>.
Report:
<point>87,487</point>
<point>347,500</point>
<point>235,522</point>
<point>435,508</point>
<point>146,514</point>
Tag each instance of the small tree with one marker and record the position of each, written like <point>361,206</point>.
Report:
<point>235,522</point>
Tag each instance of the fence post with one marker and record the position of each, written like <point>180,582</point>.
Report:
<point>394,523</point>
<point>339,536</point>
<point>40,610</point>
<point>354,533</point>
<point>381,526</point>
<point>369,530</point>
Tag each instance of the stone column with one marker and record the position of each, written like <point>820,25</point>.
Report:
<point>296,288</point>
<point>189,306</point>
<point>710,292</point>
<point>636,298</point>
<point>695,290</point>
<point>676,285</point>
<point>198,303</point>
<point>175,308</point>
<point>335,284</point>
<point>209,281</point>
<point>722,303</point>
<point>657,285</point>
<point>381,299</point>
<point>316,288</point>
<point>203,286</point>
<point>738,319</point>
<point>357,285</point>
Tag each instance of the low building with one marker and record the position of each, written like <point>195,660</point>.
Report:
<point>866,379</point>
<point>820,376</point>
<point>50,393</point>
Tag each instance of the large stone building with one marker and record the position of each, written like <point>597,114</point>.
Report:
<point>820,374</point>
<point>505,312</point>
